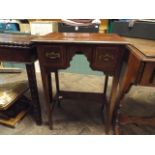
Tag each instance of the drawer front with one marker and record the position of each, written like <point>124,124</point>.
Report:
<point>148,76</point>
<point>52,55</point>
<point>107,58</point>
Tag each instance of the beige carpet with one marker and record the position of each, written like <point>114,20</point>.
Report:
<point>81,116</point>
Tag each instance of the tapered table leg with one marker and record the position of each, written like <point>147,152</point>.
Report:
<point>48,94</point>
<point>111,103</point>
<point>57,87</point>
<point>129,78</point>
<point>34,93</point>
<point>104,97</point>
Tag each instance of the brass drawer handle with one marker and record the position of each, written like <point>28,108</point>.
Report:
<point>53,55</point>
<point>106,57</point>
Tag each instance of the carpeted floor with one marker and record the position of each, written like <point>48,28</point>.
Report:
<point>83,116</point>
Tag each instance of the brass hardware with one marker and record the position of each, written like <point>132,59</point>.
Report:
<point>53,55</point>
<point>106,57</point>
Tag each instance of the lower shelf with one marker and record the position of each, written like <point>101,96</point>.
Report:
<point>16,112</point>
<point>11,122</point>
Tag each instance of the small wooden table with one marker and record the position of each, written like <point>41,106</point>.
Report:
<point>105,52</point>
<point>20,49</point>
<point>140,71</point>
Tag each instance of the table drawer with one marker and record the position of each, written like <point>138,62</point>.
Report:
<point>52,55</point>
<point>148,76</point>
<point>107,58</point>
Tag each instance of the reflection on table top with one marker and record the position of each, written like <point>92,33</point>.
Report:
<point>88,38</point>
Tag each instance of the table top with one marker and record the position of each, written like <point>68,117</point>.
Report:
<point>145,46</point>
<point>88,38</point>
<point>15,39</point>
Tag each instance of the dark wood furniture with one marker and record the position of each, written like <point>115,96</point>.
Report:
<point>13,104</point>
<point>140,71</point>
<point>19,48</point>
<point>104,53</point>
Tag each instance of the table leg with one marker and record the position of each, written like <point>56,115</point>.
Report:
<point>111,104</point>
<point>34,92</point>
<point>122,93</point>
<point>105,84</point>
<point>104,98</point>
<point>57,87</point>
<point>50,92</point>
<point>47,87</point>
<point>128,80</point>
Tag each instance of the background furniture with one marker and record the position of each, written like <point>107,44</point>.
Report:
<point>134,28</point>
<point>78,25</point>
<point>13,26</point>
<point>139,71</point>
<point>19,48</point>
<point>13,104</point>
<point>104,53</point>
